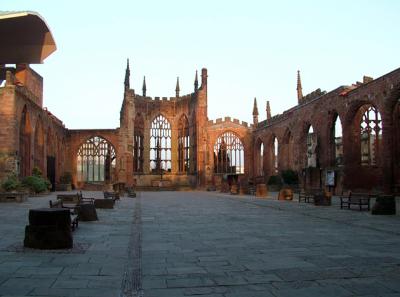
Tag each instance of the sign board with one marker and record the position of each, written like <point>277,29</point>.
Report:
<point>330,178</point>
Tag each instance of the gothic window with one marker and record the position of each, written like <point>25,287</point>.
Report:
<point>138,144</point>
<point>183,145</point>
<point>371,135</point>
<point>25,132</point>
<point>337,141</point>
<point>160,145</point>
<point>95,160</point>
<point>275,155</point>
<point>311,148</point>
<point>228,154</point>
<point>261,159</point>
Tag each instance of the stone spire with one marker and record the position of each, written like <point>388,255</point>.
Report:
<point>177,89</point>
<point>144,89</point>
<point>255,112</point>
<point>299,88</point>
<point>268,109</point>
<point>127,75</point>
<point>196,82</point>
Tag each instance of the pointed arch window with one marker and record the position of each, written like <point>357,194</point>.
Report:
<point>311,148</point>
<point>138,144</point>
<point>160,145</point>
<point>337,133</point>
<point>261,160</point>
<point>275,154</point>
<point>371,135</point>
<point>183,145</point>
<point>228,154</point>
<point>95,160</point>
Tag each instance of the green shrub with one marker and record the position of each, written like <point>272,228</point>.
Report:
<point>275,180</point>
<point>36,172</point>
<point>290,177</point>
<point>36,184</point>
<point>11,183</point>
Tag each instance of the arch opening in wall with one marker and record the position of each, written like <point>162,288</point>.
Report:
<point>25,133</point>
<point>228,154</point>
<point>312,160</point>
<point>138,145</point>
<point>275,155</point>
<point>160,145</point>
<point>183,145</point>
<point>370,134</point>
<point>337,141</point>
<point>260,158</point>
<point>96,161</point>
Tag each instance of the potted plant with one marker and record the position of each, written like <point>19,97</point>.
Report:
<point>65,182</point>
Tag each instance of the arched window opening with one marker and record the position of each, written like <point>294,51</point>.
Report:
<point>25,132</point>
<point>138,147</point>
<point>183,145</point>
<point>228,154</point>
<point>311,148</point>
<point>96,160</point>
<point>261,160</point>
<point>38,152</point>
<point>275,155</point>
<point>338,141</point>
<point>160,145</point>
<point>371,135</point>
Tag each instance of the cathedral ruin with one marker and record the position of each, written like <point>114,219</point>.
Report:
<point>351,133</point>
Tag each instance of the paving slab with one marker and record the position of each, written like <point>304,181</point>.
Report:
<point>206,244</point>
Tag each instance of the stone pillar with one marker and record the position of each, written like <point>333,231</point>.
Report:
<point>174,147</point>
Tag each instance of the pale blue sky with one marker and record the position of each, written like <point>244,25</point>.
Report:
<point>251,49</point>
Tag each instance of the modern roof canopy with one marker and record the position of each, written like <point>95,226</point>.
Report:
<point>25,38</point>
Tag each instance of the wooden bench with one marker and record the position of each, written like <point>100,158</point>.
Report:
<point>360,199</point>
<point>74,217</point>
<point>113,195</point>
<point>308,195</point>
<point>131,192</point>
<point>13,197</point>
<point>74,200</point>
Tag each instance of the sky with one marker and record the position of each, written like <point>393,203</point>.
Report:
<point>250,48</point>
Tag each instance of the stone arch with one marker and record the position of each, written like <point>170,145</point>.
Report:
<point>259,157</point>
<point>184,152</point>
<point>96,158</point>
<point>335,140</point>
<point>309,146</point>
<point>25,136</point>
<point>229,154</point>
<point>275,154</point>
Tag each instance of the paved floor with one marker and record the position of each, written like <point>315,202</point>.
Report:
<point>207,244</point>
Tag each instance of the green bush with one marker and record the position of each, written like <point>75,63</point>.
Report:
<point>36,184</point>
<point>36,172</point>
<point>290,177</point>
<point>275,180</point>
<point>11,183</point>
